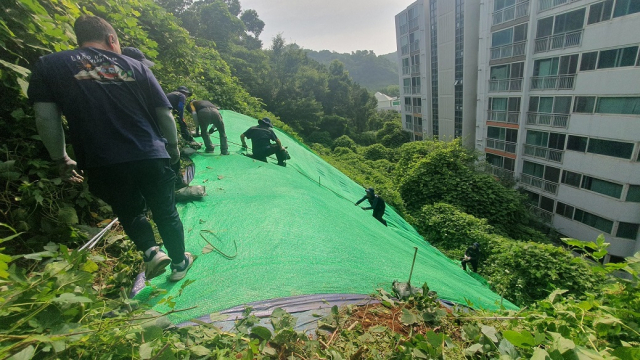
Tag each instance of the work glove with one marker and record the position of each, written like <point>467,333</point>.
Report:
<point>67,168</point>
<point>174,153</point>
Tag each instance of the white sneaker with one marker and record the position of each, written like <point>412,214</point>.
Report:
<point>155,264</point>
<point>179,272</point>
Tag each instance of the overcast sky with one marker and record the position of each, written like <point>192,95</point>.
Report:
<point>337,25</point>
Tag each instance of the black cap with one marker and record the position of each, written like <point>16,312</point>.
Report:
<point>370,191</point>
<point>136,54</point>
<point>184,90</point>
<point>475,244</point>
<point>265,121</point>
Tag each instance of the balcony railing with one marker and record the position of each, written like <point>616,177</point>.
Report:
<point>417,109</point>
<point>415,46</point>
<point>406,89</point>
<point>501,145</point>
<point>561,82</point>
<point>551,120</point>
<point>404,29</point>
<point>543,153</point>
<point>404,49</point>
<point>408,126</point>
<point>408,108</point>
<point>499,172</point>
<point>543,215</point>
<point>415,69</point>
<point>415,89</point>
<point>405,70</point>
<point>511,117</point>
<point>514,84</point>
<point>417,128</point>
<point>560,41</point>
<point>511,13</point>
<point>548,4</point>
<point>536,182</point>
<point>507,51</point>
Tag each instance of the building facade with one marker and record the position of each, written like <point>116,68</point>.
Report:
<point>558,97</point>
<point>437,44</point>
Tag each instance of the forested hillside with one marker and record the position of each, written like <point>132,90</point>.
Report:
<point>57,302</point>
<point>376,73</point>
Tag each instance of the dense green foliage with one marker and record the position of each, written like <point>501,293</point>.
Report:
<point>58,303</point>
<point>365,68</point>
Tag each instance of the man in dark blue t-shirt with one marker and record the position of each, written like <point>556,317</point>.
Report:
<point>261,137</point>
<point>123,136</point>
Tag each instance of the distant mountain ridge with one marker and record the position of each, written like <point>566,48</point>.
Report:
<point>365,67</point>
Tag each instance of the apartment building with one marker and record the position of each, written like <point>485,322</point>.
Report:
<point>437,44</point>
<point>558,109</point>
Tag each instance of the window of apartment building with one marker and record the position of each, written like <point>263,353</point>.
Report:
<point>601,186</point>
<point>532,197</point>
<point>548,173</point>
<point>584,104</point>
<point>415,84</point>
<point>504,134</point>
<point>546,203</point>
<point>501,4</point>
<point>610,148</point>
<point>617,57</point>
<point>405,65</point>
<point>589,61</point>
<point>600,12</point>
<point>550,104</point>
<point>633,194</point>
<point>507,71</point>
<point>408,121</point>
<point>504,104</point>
<point>565,210</point>
<point>618,105</point>
<point>500,161</point>
<point>414,41</point>
<point>556,66</point>
<point>404,45</point>
<point>407,101</point>
<point>577,143</point>
<point>417,102</point>
<point>571,178</point>
<point>617,149</point>
<point>627,230</point>
<point>545,139</point>
<point>418,137</point>
<point>402,22</point>
<point>415,59</point>
<point>509,35</point>
<point>626,7</point>
<point>406,86</point>
<point>594,221</point>
<point>563,23</point>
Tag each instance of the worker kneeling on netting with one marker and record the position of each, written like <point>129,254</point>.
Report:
<point>261,137</point>
<point>377,205</point>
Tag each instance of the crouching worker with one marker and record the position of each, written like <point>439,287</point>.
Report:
<point>472,255</point>
<point>261,137</point>
<point>204,114</point>
<point>377,205</point>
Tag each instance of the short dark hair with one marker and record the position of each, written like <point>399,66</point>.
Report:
<point>92,28</point>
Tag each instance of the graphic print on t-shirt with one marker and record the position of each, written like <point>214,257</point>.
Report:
<point>101,68</point>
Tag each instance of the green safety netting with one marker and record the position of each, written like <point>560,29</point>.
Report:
<point>297,232</point>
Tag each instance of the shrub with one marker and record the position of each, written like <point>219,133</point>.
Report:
<point>525,272</point>
<point>345,142</point>
<point>450,229</point>
<point>376,152</point>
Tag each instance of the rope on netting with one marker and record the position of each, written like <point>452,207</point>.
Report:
<point>228,257</point>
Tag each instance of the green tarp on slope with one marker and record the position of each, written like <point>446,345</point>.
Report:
<point>297,233</point>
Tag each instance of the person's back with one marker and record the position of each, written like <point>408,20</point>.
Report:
<point>108,102</point>
<point>261,137</point>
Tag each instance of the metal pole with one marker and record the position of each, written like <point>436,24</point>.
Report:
<point>413,263</point>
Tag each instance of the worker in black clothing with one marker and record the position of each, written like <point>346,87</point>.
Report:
<point>178,100</point>
<point>377,205</point>
<point>204,113</point>
<point>261,137</point>
<point>472,255</point>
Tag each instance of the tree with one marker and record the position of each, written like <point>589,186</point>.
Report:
<point>392,135</point>
<point>252,22</point>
